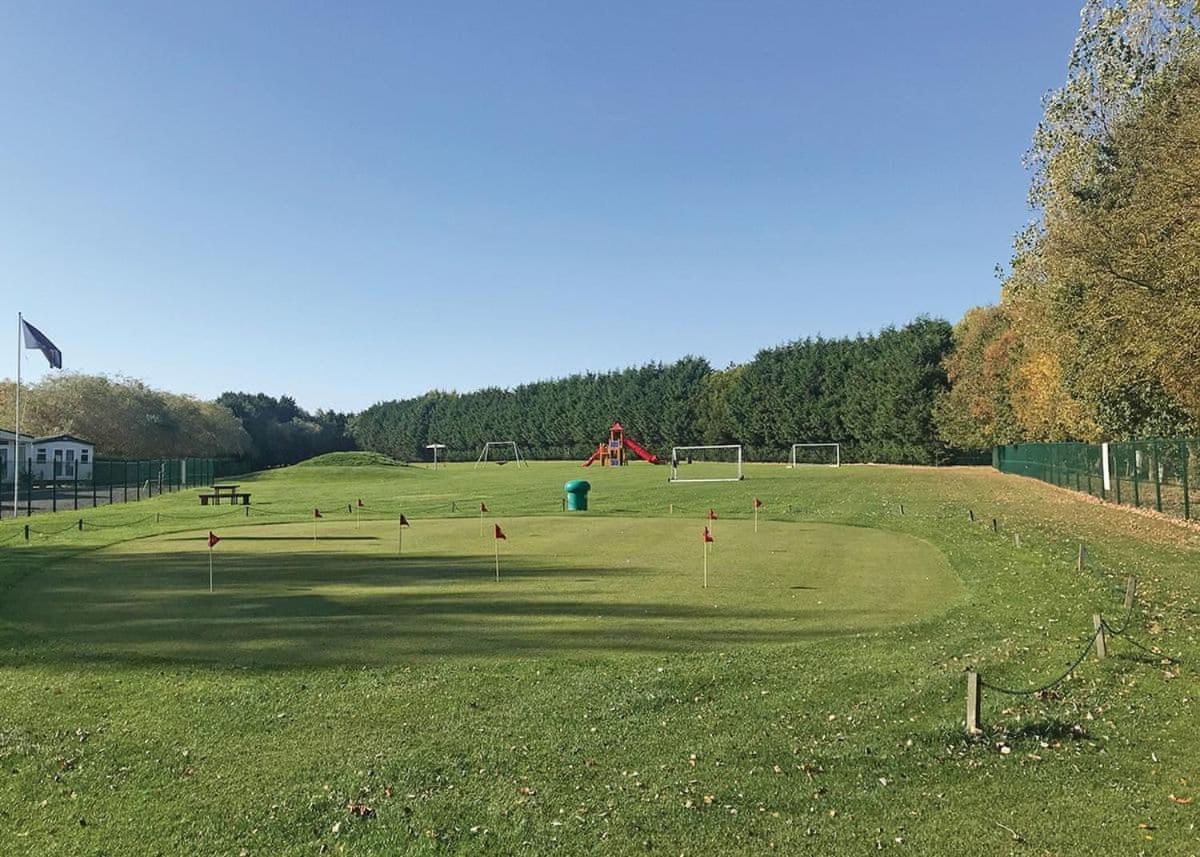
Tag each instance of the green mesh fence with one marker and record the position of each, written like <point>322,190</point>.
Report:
<point>1157,474</point>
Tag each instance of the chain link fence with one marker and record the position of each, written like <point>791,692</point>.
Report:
<point>1159,474</point>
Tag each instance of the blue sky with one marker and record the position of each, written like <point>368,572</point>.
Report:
<point>356,202</point>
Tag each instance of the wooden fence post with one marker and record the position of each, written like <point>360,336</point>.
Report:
<point>974,698</point>
<point>1081,558</point>
<point>1130,592</point>
<point>1101,643</point>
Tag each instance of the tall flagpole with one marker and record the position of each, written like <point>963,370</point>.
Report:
<point>17,440</point>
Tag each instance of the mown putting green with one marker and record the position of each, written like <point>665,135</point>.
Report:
<point>569,586</point>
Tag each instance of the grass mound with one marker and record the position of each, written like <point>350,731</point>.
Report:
<point>352,459</point>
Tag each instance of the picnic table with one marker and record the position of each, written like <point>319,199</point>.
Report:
<point>227,490</point>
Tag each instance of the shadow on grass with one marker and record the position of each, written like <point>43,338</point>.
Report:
<point>302,539</point>
<point>326,608</point>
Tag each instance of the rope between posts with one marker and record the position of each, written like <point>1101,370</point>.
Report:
<point>1035,690</point>
<point>59,531</point>
<point>1148,650</point>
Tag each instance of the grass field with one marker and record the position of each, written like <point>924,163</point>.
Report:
<point>336,697</point>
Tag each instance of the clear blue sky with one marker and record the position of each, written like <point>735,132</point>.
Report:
<point>355,202</point>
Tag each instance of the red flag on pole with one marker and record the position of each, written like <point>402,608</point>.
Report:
<point>482,508</point>
<point>500,533</point>
<point>712,516</point>
<point>757,503</point>
<point>400,534</point>
<point>213,538</point>
<point>361,504</point>
<point>317,513</point>
<point>707,535</point>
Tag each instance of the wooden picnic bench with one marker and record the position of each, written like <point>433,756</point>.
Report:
<point>229,492</point>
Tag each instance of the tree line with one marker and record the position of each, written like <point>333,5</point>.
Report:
<point>125,418</point>
<point>1095,335</point>
<point>874,394</point>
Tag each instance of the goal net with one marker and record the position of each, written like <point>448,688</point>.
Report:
<point>501,452</point>
<point>706,463</point>
<point>828,454</point>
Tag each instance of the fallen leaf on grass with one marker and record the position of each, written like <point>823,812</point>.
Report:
<point>1182,801</point>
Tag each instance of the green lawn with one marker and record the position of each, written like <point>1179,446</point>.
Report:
<point>597,699</point>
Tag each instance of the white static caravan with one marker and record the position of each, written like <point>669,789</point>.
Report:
<point>8,454</point>
<point>63,457</point>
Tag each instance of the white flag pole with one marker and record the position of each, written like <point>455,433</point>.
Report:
<point>17,441</point>
<point>705,544</point>
<point>210,588</point>
<point>400,537</point>
<point>497,541</point>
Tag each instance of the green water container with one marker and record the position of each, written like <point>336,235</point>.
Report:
<point>577,494</point>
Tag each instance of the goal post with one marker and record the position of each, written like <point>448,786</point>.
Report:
<point>720,463</point>
<point>486,455</point>
<point>827,454</point>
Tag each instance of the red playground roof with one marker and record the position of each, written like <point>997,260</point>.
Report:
<point>617,427</point>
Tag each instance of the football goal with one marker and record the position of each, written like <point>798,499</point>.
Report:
<point>721,463</point>
<point>499,452</point>
<point>828,454</point>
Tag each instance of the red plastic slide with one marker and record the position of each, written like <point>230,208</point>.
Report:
<point>640,451</point>
<point>595,456</point>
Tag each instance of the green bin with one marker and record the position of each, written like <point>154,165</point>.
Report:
<point>577,493</point>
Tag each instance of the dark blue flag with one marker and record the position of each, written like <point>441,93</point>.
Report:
<point>34,338</point>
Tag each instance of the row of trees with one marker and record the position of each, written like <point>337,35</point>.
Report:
<point>874,394</point>
<point>1096,332</point>
<point>124,418</point>
<point>281,432</point>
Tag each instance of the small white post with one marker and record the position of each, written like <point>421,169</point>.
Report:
<point>706,563</point>
<point>210,572</point>
<point>1104,466</point>
<point>497,542</point>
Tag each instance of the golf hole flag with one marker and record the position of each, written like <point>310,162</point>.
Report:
<point>213,538</point>
<point>498,536</point>
<point>712,516</point>
<point>400,534</point>
<point>757,505</point>
<point>316,514</point>
<point>482,511</point>
<point>708,537</point>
